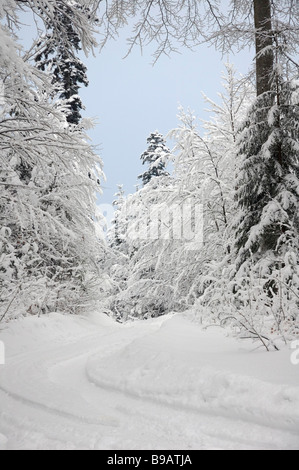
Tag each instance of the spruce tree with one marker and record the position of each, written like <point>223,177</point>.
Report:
<point>59,54</point>
<point>266,289</point>
<point>118,230</point>
<point>155,157</point>
<point>268,185</point>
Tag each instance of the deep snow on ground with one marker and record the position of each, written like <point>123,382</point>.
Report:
<point>90,383</point>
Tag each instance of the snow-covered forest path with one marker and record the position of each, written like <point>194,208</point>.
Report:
<point>89,383</point>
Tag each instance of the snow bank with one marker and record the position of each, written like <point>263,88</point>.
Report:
<point>35,333</point>
<point>184,367</point>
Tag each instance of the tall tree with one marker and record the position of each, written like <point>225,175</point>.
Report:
<point>264,45</point>
<point>117,236</point>
<point>268,183</point>
<point>267,223</point>
<point>47,200</point>
<point>155,157</point>
<point>59,56</point>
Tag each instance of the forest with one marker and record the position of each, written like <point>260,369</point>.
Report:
<point>175,326</point>
<point>239,171</point>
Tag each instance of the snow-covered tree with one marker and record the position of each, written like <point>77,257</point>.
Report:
<point>146,291</point>
<point>267,226</point>
<point>48,242</point>
<point>170,270</point>
<point>59,57</point>
<point>117,237</point>
<point>255,289</point>
<point>155,157</point>
<point>205,164</point>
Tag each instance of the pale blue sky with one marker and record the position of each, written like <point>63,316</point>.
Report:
<point>130,98</point>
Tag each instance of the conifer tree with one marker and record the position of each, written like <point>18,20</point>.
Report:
<point>155,157</point>
<point>59,54</point>
<point>117,238</point>
<point>268,194</point>
<point>48,238</point>
<point>266,279</point>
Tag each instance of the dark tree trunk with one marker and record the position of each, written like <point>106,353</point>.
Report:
<point>263,39</point>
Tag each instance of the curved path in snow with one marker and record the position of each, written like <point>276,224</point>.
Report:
<point>88,383</point>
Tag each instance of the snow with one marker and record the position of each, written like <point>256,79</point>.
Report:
<point>90,383</point>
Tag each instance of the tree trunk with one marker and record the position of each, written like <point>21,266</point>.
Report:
<point>263,39</point>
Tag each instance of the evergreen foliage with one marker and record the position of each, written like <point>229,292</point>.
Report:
<point>49,246</point>
<point>268,184</point>
<point>58,54</point>
<point>155,157</point>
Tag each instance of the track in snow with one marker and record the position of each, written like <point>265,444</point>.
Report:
<point>92,387</point>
